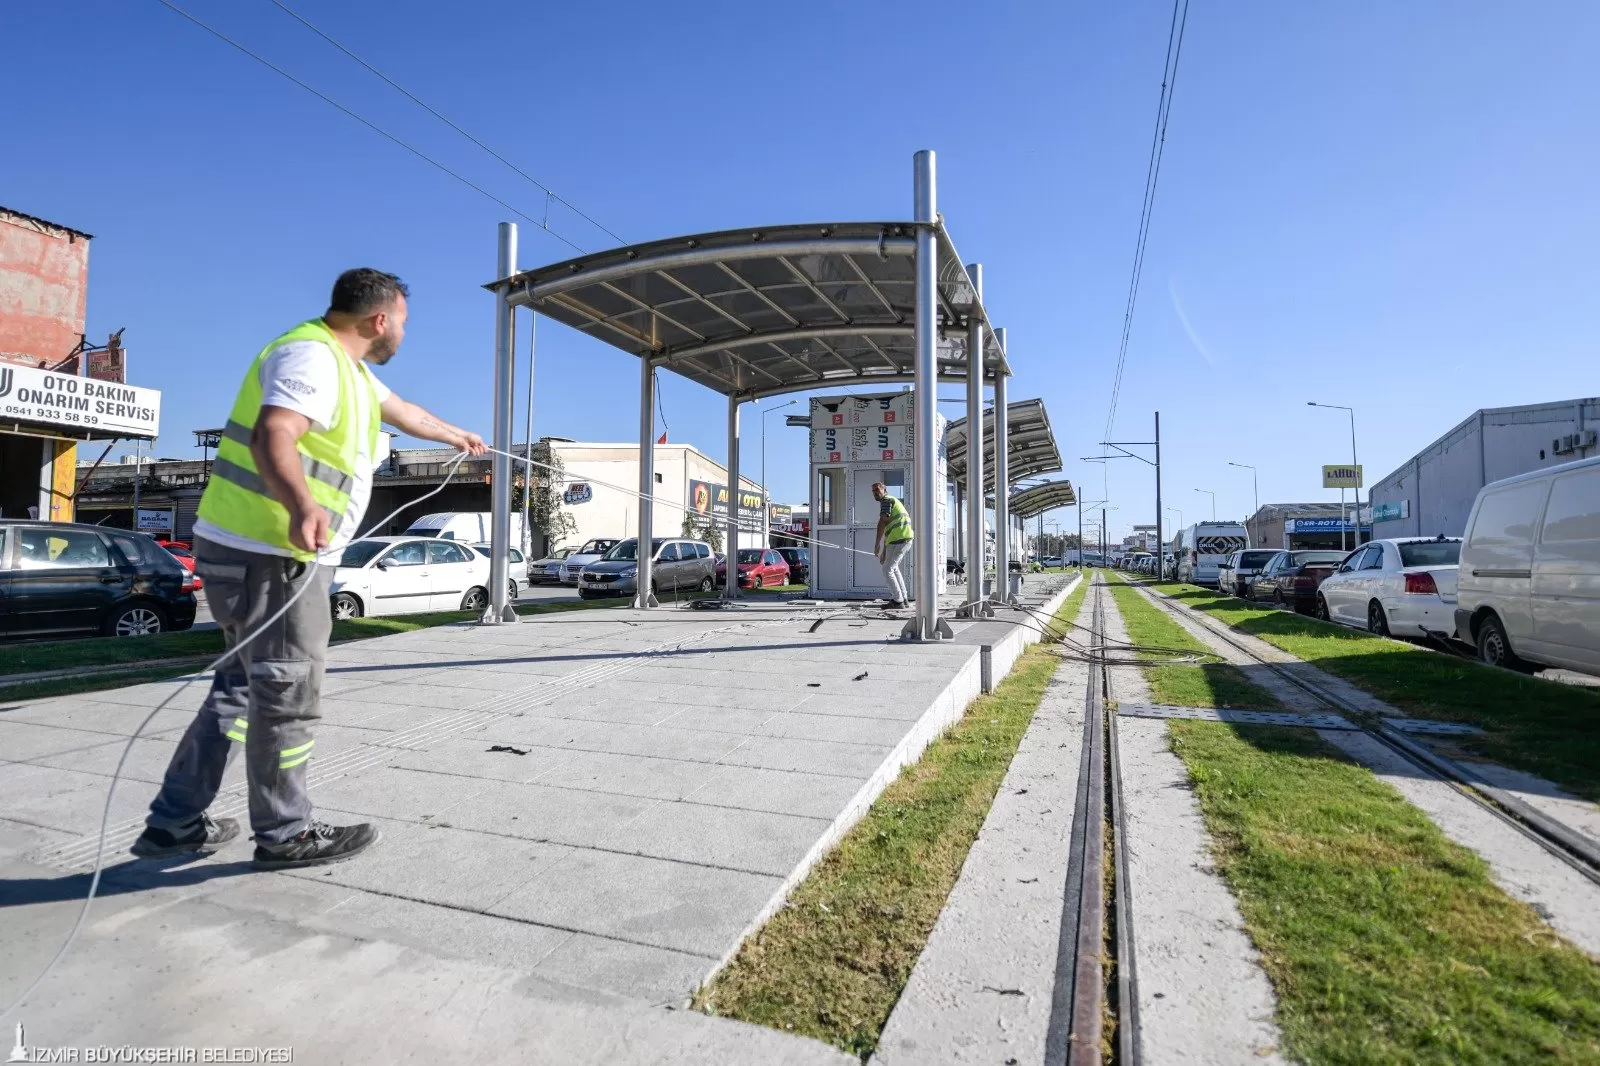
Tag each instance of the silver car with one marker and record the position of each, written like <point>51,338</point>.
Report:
<point>593,551</point>
<point>676,564</point>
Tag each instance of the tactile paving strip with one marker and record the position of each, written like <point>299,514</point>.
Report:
<point>1428,726</point>
<point>1225,714</point>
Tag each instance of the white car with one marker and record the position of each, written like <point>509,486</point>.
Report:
<point>593,551</point>
<point>407,575</point>
<point>1404,587</point>
<point>515,563</point>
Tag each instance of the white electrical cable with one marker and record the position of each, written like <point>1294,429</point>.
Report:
<point>105,816</point>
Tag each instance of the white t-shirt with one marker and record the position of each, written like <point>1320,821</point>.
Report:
<point>303,377</point>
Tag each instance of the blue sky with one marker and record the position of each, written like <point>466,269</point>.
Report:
<point>1385,206</point>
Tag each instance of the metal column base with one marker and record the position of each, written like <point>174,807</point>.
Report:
<point>981,609</point>
<point>508,614</point>
<point>650,601</point>
<point>912,630</point>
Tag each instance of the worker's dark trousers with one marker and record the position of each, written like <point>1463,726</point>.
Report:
<point>268,695</point>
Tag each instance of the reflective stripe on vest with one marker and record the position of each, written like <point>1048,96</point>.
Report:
<point>899,527</point>
<point>237,498</point>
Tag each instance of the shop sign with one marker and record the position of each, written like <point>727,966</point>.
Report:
<point>1316,525</point>
<point>1390,512</point>
<point>153,520</point>
<point>710,500</point>
<point>1341,477</point>
<point>780,516</point>
<point>29,394</point>
<point>578,492</point>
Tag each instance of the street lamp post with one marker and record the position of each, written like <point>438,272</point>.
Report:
<point>1255,486</point>
<point>766,504</point>
<point>1179,510</point>
<point>1354,462</point>
<point>1213,496</point>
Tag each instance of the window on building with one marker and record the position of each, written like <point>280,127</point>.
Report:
<point>830,497</point>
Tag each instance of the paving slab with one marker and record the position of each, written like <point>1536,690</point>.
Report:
<point>680,775</point>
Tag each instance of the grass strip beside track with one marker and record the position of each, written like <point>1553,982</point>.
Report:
<point>105,651</point>
<point>832,963</point>
<point>1385,940</point>
<point>1544,727</point>
<point>1207,684</point>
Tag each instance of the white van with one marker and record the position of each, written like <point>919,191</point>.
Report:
<point>1528,594</point>
<point>471,527</point>
<point>1205,544</point>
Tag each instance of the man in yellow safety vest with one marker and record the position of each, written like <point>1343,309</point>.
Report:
<point>893,542</point>
<point>287,492</point>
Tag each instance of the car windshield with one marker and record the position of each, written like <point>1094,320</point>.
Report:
<point>749,555</point>
<point>1430,553</point>
<point>361,552</point>
<point>1255,559</point>
<point>600,547</point>
<point>1313,558</point>
<point>627,551</point>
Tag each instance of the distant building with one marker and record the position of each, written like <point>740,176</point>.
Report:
<point>1433,491</point>
<point>1303,525</point>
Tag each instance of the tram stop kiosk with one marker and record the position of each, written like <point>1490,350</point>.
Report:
<point>856,442</point>
<point>762,312</point>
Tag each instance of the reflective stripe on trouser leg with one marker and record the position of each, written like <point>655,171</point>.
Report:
<point>292,757</point>
<point>237,730</point>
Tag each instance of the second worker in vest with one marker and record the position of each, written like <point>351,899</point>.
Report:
<point>893,542</point>
<point>288,490</point>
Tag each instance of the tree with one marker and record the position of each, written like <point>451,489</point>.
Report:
<point>710,532</point>
<point>545,505</point>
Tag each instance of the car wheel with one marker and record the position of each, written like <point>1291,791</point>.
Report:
<point>346,607</point>
<point>511,587</point>
<point>1494,647</point>
<point>1277,599</point>
<point>1322,610</point>
<point>1377,621</point>
<point>476,599</point>
<point>136,620</point>
<point>706,584</point>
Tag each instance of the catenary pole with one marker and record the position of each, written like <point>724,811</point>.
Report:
<point>499,609</point>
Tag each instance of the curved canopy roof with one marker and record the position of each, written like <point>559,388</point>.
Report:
<point>1032,445</point>
<point>752,313</point>
<point>1035,501</point>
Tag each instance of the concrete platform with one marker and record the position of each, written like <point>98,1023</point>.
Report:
<point>674,773</point>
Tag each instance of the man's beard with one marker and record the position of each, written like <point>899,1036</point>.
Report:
<point>382,350</point>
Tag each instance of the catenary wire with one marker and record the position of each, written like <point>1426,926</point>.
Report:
<point>549,192</point>
<point>325,98</point>
<point>1158,140</point>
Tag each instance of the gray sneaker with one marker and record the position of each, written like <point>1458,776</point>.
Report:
<point>317,845</point>
<point>204,836</point>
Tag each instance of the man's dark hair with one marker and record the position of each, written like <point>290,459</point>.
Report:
<point>365,291</point>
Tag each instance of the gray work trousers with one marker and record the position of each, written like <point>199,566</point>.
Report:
<point>268,695</point>
<point>894,558</point>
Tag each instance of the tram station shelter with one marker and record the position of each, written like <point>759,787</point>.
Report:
<point>1031,452</point>
<point>754,313</point>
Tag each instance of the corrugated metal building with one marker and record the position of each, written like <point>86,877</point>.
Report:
<point>1432,492</point>
<point>1324,526</point>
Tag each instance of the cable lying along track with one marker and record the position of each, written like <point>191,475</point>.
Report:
<point>1560,840</point>
<point>1094,1012</point>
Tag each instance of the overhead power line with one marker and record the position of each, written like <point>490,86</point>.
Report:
<point>371,125</point>
<point>1169,81</point>
<point>550,193</point>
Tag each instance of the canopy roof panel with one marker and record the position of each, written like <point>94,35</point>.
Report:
<point>1035,501</point>
<point>758,312</point>
<point>1032,444</point>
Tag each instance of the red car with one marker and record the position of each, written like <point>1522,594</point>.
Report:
<point>758,568</point>
<point>180,551</point>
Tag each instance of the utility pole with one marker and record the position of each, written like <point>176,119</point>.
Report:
<point>1122,447</point>
<point>138,459</point>
<point>1161,547</point>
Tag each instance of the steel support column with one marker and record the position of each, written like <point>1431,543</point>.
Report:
<point>500,609</point>
<point>643,597</point>
<point>977,605</point>
<point>527,452</point>
<point>1002,482</point>
<point>730,587</point>
<point>926,625</point>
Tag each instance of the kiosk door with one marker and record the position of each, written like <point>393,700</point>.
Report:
<point>868,577</point>
<point>830,525</point>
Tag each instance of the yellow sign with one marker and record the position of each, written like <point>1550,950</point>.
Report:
<point>1341,477</point>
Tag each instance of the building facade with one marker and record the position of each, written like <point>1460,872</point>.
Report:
<point>1432,492</point>
<point>1323,526</point>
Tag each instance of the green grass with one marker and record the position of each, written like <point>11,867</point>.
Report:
<point>1208,684</point>
<point>1544,727</point>
<point>833,961</point>
<point>1386,941</point>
